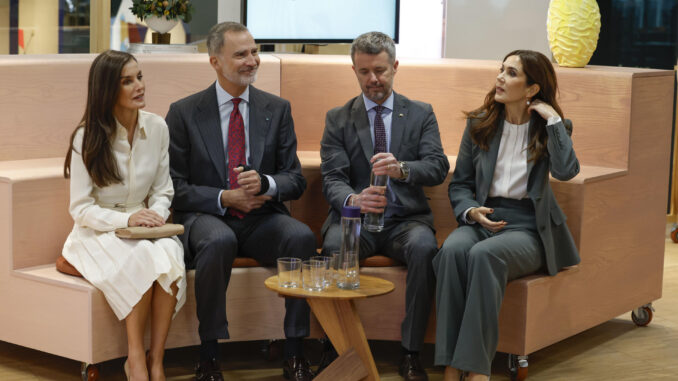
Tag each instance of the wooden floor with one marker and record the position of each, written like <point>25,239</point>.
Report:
<point>616,350</point>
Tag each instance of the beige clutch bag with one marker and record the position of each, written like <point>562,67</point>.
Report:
<point>141,232</point>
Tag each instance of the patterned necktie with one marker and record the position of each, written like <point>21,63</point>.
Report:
<point>235,150</point>
<point>379,131</point>
<point>380,146</point>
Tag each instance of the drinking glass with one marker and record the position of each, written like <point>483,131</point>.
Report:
<point>313,275</point>
<point>349,276</point>
<point>327,273</point>
<point>374,222</point>
<point>289,272</point>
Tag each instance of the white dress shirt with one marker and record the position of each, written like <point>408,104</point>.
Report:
<point>510,170</point>
<point>225,109</point>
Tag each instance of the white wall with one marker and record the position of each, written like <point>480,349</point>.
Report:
<point>229,10</point>
<point>421,29</point>
<point>488,29</point>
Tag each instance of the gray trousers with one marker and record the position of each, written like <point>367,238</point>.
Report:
<point>472,269</point>
<point>216,241</point>
<point>413,244</point>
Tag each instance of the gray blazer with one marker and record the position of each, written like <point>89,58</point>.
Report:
<point>473,175</point>
<point>198,158</point>
<point>346,148</point>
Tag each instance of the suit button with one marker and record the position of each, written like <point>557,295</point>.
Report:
<point>542,228</point>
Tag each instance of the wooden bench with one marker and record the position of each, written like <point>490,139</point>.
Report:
<point>615,207</point>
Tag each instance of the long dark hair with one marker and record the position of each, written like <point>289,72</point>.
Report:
<point>538,69</point>
<point>103,87</point>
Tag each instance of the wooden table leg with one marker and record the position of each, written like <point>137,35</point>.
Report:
<point>341,323</point>
<point>347,367</point>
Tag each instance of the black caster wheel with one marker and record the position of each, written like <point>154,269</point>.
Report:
<point>89,372</point>
<point>517,367</point>
<point>642,316</point>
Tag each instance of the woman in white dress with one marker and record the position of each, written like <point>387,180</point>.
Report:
<point>119,168</point>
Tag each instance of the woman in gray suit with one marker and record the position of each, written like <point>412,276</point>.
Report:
<point>510,224</point>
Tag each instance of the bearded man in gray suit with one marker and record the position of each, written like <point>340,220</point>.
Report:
<point>389,134</point>
<point>233,162</point>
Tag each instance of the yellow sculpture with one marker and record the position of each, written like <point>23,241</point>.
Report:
<point>573,27</point>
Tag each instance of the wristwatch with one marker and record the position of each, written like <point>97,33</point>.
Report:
<point>404,170</point>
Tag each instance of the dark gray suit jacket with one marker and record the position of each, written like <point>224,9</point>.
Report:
<point>346,149</point>
<point>198,158</point>
<point>473,175</point>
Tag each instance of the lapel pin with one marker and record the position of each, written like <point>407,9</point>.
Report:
<point>401,115</point>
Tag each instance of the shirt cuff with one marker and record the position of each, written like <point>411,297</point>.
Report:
<point>470,222</point>
<point>162,212</point>
<point>272,187</point>
<point>553,120</point>
<point>121,220</point>
<point>222,210</point>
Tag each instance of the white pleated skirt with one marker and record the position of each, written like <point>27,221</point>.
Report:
<point>124,269</point>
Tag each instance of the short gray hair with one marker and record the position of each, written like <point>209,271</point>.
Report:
<point>215,38</point>
<point>373,43</point>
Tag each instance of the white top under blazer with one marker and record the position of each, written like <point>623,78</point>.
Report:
<point>510,172</point>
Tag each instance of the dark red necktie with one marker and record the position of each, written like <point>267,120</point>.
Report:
<point>379,131</point>
<point>235,149</point>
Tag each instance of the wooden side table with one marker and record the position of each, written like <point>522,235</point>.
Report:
<point>335,310</point>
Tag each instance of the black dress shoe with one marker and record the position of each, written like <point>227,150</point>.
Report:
<point>208,371</point>
<point>326,358</point>
<point>297,369</point>
<point>411,369</point>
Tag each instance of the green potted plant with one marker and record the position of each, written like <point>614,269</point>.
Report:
<point>162,15</point>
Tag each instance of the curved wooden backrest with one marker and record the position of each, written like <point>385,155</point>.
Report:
<point>596,98</point>
<point>42,98</point>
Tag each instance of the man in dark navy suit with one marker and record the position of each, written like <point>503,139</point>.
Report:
<point>233,163</point>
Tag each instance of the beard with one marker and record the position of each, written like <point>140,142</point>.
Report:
<point>378,93</point>
<point>377,96</point>
<point>242,79</point>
